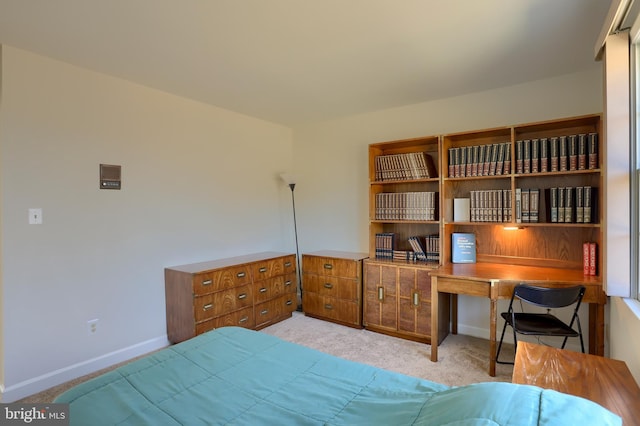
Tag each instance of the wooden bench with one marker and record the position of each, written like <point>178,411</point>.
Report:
<point>603,380</point>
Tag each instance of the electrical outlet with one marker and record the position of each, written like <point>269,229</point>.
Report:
<point>92,326</point>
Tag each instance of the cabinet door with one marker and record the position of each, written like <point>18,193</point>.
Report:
<point>414,315</point>
<point>381,299</point>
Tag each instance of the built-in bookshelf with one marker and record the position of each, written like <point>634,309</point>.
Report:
<point>533,192</point>
<point>405,200</point>
<point>553,186</point>
<point>525,194</point>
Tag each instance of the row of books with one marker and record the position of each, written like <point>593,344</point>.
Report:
<point>406,206</point>
<point>406,166</point>
<point>491,205</point>
<point>557,154</point>
<point>590,258</point>
<point>563,205</point>
<point>480,160</point>
<point>527,205</point>
<point>424,248</point>
<point>571,205</point>
<point>385,245</point>
<point>427,248</point>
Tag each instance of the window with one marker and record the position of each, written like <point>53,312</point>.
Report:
<point>635,164</point>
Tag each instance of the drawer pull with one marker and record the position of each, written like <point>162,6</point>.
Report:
<point>289,303</point>
<point>243,320</point>
<point>328,285</point>
<point>241,274</point>
<point>207,306</point>
<point>207,282</point>
<point>416,298</point>
<point>263,269</point>
<point>287,283</point>
<point>263,290</point>
<point>242,296</point>
<point>264,312</point>
<point>328,306</point>
<point>328,266</point>
<point>381,294</point>
<point>287,264</point>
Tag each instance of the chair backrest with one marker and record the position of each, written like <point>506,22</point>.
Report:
<point>558,297</point>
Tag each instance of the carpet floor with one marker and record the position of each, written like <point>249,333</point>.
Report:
<point>461,359</point>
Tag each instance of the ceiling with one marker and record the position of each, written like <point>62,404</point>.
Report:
<point>298,61</point>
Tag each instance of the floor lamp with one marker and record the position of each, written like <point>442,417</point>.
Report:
<point>289,180</point>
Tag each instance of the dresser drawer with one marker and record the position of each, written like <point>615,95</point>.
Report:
<point>268,289</point>
<point>222,279</point>
<point>341,288</point>
<point>267,269</point>
<point>274,287</point>
<point>289,264</point>
<point>344,311</point>
<point>274,309</point>
<point>330,266</point>
<point>222,302</point>
<point>290,283</point>
<point>241,318</point>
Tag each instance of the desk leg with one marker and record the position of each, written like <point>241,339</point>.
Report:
<point>434,319</point>
<point>596,329</point>
<point>454,313</point>
<point>492,337</point>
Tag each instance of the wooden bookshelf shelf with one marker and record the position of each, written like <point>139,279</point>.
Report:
<point>475,178</point>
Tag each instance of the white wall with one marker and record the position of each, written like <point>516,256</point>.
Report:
<point>198,183</point>
<point>331,158</point>
<point>624,326</point>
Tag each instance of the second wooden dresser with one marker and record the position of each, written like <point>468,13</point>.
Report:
<point>251,291</point>
<point>332,286</point>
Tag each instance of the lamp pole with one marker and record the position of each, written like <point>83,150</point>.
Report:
<point>295,230</point>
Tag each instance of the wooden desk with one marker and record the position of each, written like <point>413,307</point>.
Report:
<point>605,381</point>
<point>496,281</point>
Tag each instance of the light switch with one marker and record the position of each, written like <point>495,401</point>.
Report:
<point>35,216</point>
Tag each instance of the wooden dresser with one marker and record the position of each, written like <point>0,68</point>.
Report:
<point>332,286</point>
<point>251,291</point>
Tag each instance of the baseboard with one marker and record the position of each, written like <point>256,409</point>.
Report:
<point>38,384</point>
<point>482,333</point>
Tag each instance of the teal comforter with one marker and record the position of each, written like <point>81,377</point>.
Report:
<point>235,376</point>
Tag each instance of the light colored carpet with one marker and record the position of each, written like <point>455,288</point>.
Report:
<point>462,359</point>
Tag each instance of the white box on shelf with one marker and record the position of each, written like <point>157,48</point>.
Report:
<point>461,209</point>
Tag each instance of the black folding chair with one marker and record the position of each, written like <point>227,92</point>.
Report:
<point>543,324</point>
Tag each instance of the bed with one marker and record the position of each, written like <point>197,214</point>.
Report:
<point>236,376</point>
